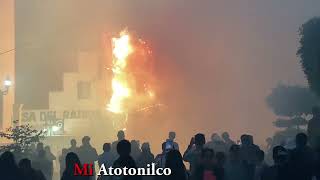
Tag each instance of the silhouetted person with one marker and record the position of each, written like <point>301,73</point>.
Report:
<point>68,173</point>
<point>314,128</point>
<point>301,159</point>
<point>125,160</point>
<point>269,142</point>
<point>73,146</point>
<point>32,148</point>
<point>106,157</point>
<point>260,165</point>
<point>28,172</point>
<point>248,153</point>
<point>227,140</point>
<point>51,157</point>
<point>62,160</point>
<point>160,159</point>
<point>248,149</point>
<point>217,144</point>
<point>146,157</point>
<point>135,149</point>
<point>280,170</point>
<point>39,147</point>
<point>193,152</point>
<point>175,163</point>
<point>172,136</point>
<point>120,136</point>
<point>43,164</point>
<point>208,167</point>
<point>235,168</point>
<point>8,167</point>
<point>87,154</point>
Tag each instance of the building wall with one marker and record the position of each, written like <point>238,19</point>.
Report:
<point>88,72</point>
<point>7,59</point>
<point>49,35</point>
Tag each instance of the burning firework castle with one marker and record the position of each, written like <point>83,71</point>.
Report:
<point>96,93</point>
<point>132,82</point>
<point>66,82</point>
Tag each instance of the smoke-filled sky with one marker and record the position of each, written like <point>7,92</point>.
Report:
<point>217,60</point>
<point>226,56</point>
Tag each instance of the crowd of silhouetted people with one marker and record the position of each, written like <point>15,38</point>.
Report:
<point>221,158</point>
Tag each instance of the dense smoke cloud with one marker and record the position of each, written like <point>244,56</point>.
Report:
<point>216,60</point>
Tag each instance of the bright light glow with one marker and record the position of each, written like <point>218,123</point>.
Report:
<point>132,82</point>
<point>7,83</point>
<point>55,128</point>
<point>120,86</point>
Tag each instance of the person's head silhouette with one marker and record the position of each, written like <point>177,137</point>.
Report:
<point>145,147</point>
<point>106,147</point>
<point>135,144</point>
<point>225,136</point>
<point>86,141</point>
<point>301,140</point>
<point>73,143</point>
<point>269,140</point>
<point>215,137</point>
<point>121,135</point>
<point>42,154</point>
<point>39,146</point>
<point>124,148</point>
<point>172,135</point>
<point>47,149</point>
<point>199,140</point>
<point>71,159</point>
<point>7,160</point>
<point>245,139</point>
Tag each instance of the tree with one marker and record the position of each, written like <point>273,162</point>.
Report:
<point>21,136</point>
<point>291,103</point>
<point>309,52</point>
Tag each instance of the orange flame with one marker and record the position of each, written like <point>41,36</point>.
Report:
<point>120,86</point>
<point>132,79</point>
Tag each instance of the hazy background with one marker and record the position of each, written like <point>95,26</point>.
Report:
<point>217,60</point>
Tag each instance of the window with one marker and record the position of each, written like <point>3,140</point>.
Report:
<point>84,90</point>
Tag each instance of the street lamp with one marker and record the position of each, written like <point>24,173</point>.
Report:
<point>6,85</point>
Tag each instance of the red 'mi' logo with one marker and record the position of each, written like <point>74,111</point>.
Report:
<point>86,170</point>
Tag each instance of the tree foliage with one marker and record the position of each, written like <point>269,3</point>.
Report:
<point>291,100</point>
<point>21,137</point>
<point>309,52</point>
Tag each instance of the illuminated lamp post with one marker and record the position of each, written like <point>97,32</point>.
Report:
<point>6,85</point>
